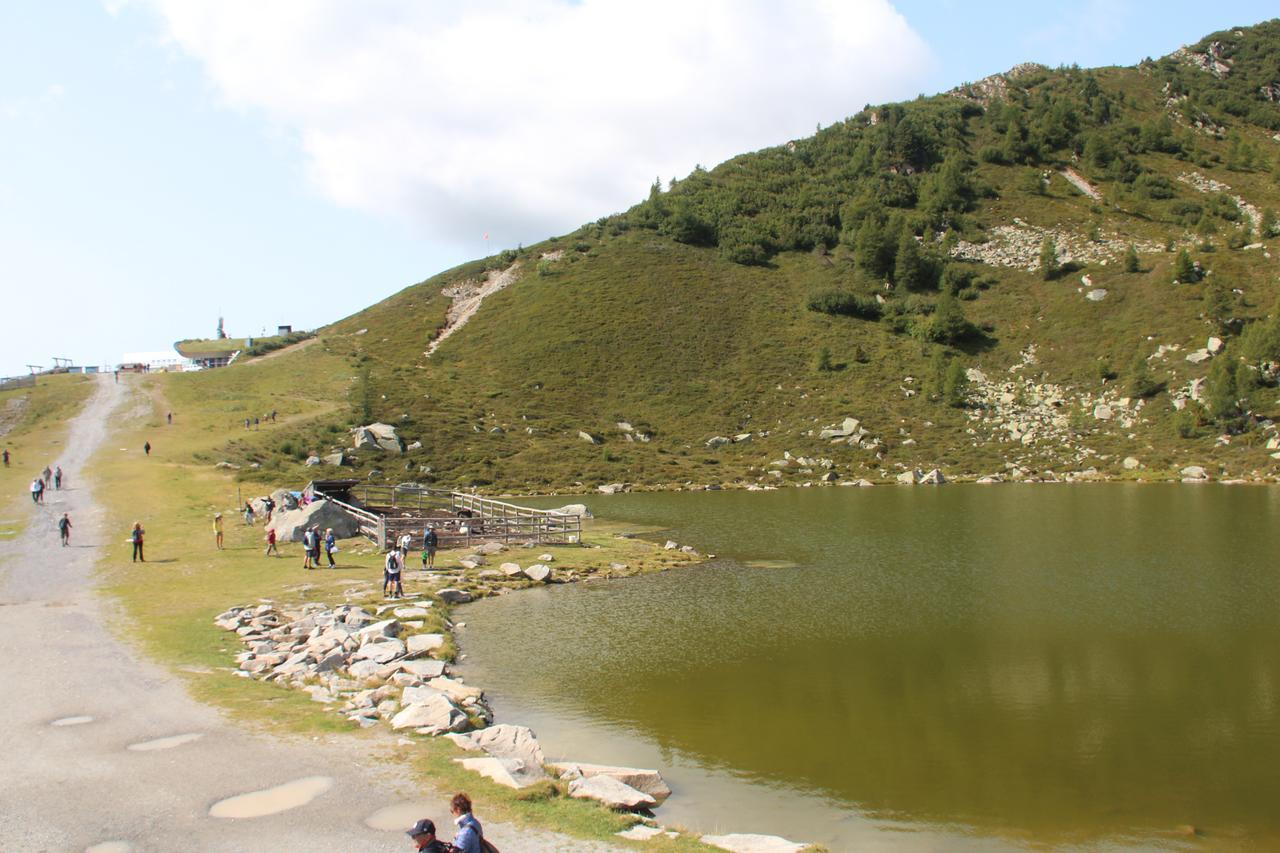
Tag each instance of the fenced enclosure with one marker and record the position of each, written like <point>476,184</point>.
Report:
<point>9,382</point>
<point>385,513</point>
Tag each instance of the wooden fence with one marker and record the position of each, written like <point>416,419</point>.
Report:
<point>9,382</point>
<point>385,513</point>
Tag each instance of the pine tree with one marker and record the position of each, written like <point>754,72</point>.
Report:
<point>1184,271</point>
<point>1267,227</point>
<point>1049,259</point>
<point>1141,382</point>
<point>908,269</point>
<point>1131,260</point>
<point>1221,396</point>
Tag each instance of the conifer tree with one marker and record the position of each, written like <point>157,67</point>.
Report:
<point>1049,259</point>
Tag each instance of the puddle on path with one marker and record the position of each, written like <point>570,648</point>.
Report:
<point>164,742</point>
<point>110,847</point>
<point>281,798</point>
<point>72,721</point>
<point>401,816</point>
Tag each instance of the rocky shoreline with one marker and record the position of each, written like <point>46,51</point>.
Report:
<point>391,664</point>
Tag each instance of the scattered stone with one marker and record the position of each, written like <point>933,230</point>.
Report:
<point>453,596</point>
<point>1096,295</point>
<point>509,772</point>
<point>422,644</point>
<point>377,436</point>
<point>508,741</point>
<point>589,438</point>
<point>538,572</point>
<point>1131,463</point>
<point>1194,474</point>
<point>510,569</point>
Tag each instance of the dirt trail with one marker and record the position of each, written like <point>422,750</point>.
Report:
<point>467,298</point>
<point>75,699</point>
<point>1078,181</point>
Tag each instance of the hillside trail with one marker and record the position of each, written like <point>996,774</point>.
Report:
<point>101,745</point>
<point>467,299</point>
<point>1077,180</point>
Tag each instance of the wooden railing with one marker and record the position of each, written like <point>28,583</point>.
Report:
<point>386,513</point>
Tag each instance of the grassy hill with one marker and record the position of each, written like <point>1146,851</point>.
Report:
<point>889,268</point>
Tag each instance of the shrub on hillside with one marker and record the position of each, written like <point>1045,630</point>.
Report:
<point>842,303</point>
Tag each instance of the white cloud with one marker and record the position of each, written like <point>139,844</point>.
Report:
<point>526,119</point>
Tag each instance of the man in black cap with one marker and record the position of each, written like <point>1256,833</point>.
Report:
<point>423,834</point>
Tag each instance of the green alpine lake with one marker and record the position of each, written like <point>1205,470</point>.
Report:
<point>963,667</point>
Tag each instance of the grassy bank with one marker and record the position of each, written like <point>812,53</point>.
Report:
<point>169,602</point>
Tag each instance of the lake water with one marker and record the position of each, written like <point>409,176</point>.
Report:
<point>925,668</point>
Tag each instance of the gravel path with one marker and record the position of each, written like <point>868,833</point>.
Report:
<point>74,700</point>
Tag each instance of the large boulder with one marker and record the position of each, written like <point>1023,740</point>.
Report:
<point>646,781</point>
<point>433,715</point>
<point>291,524</point>
<point>508,741</point>
<point>574,509</point>
<point>538,572</point>
<point>610,792</point>
<point>284,499</point>
<point>377,436</point>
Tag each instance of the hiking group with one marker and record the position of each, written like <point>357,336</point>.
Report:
<point>49,477</point>
<point>469,837</point>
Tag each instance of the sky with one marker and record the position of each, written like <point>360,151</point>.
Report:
<point>167,162</point>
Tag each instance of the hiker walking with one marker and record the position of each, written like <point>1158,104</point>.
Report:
<point>470,835</point>
<point>146,448</point>
<point>57,477</point>
<point>37,490</point>
<point>391,587</point>
<point>64,529</point>
<point>135,536</point>
<point>273,415</point>
<point>271,543</point>
<point>406,542</point>
<point>330,546</point>
<point>248,513</point>
<point>169,418</point>
<point>430,541</point>
<point>46,475</point>
<point>6,457</point>
<point>217,530</point>
<point>270,505</point>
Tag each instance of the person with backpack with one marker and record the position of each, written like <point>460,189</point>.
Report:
<point>37,490</point>
<point>146,448</point>
<point>308,542</point>
<point>391,586</point>
<point>424,838</point>
<point>6,457</point>
<point>470,835</point>
<point>430,541</point>
<point>330,546</point>
<point>64,529</point>
<point>135,536</point>
<point>271,542</point>
<point>57,478</point>
<point>248,513</point>
<point>46,475</point>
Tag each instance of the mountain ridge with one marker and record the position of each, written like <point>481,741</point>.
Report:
<point>896,267</point>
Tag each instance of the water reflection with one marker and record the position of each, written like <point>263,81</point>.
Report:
<point>1063,664</point>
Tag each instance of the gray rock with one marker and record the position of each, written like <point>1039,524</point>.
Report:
<point>1096,295</point>
<point>646,781</point>
<point>385,628</point>
<point>933,478</point>
<point>418,694</point>
<point>421,644</point>
<point>338,458</point>
<point>312,461</point>
<point>433,716</point>
<point>450,595</point>
<point>739,842</point>
<point>1130,463</point>
<point>508,772</point>
<point>508,741</point>
<point>1194,473</point>
<point>423,668</point>
<point>381,652</point>
<point>490,548</point>
<point>611,793</point>
<point>574,509</point>
<point>718,441</point>
<point>589,438</point>
<point>538,572</point>
<point>377,436</point>
<point>510,569</point>
<point>291,524</point>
